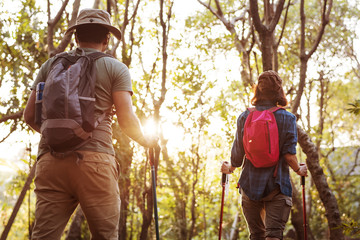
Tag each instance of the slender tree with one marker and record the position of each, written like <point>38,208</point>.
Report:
<point>165,16</point>
<point>266,30</point>
<point>304,54</point>
<point>243,41</point>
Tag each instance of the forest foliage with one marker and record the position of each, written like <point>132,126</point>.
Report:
<point>192,64</point>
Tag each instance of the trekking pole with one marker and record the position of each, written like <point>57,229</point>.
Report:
<point>152,164</point>
<point>223,183</point>
<point>304,205</point>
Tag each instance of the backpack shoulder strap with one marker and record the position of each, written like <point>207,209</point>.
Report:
<point>274,109</point>
<point>65,55</point>
<point>252,109</point>
<point>62,54</point>
<point>73,58</point>
<point>97,55</point>
<point>59,56</point>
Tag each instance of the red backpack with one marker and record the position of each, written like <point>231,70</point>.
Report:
<point>261,138</point>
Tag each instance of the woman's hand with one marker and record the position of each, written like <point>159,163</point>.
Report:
<point>302,170</point>
<point>227,168</point>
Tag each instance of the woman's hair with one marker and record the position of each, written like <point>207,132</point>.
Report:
<point>91,33</point>
<point>269,88</point>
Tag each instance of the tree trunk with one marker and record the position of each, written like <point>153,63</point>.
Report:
<point>18,203</point>
<point>327,197</point>
<point>75,227</point>
<point>179,195</point>
<point>297,218</point>
<point>123,154</point>
<point>266,31</point>
<point>147,207</point>
<point>306,55</point>
<point>300,90</point>
<point>240,44</point>
<point>234,233</point>
<point>147,213</point>
<point>266,50</point>
<point>297,214</point>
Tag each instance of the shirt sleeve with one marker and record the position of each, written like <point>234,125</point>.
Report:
<point>43,72</point>
<point>237,150</point>
<point>121,79</point>
<point>290,140</point>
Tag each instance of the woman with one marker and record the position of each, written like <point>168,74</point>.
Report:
<point>263,191</point>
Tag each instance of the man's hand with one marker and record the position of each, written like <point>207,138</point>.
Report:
<point>149,141</point>
<point>129,122</point>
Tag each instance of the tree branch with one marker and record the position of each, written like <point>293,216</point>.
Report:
<point>327,197</point>
<point>67,38</point>
<point>254,10</point>
<point>324,22</point>
<point>215,13</point>
<point>275,19</point>
<point>18,203</point>
<point>302,29</point>
<point>51,25</point>
<point>355,164</point>
<point>4,138</point>
<point>13,116</point>
<point>220,12</point>
<point>284,24</point>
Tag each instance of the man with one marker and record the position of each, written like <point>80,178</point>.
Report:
<point>62,183</point>
<point>266,200</point>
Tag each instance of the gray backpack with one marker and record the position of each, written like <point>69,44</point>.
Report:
<point>68,102</point>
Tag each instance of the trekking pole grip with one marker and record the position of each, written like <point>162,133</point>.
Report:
<point>223,179</point>
<point>302,177</point>
<point>151,156</point>
<point>303,180</point>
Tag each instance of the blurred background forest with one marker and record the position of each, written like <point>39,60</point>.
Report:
<point>193,64</point>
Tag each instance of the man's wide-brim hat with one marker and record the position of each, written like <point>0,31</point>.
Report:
<point>95,16</point>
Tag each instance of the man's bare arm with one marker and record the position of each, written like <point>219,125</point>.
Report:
<point>29,112</point>
<point>128,121</point>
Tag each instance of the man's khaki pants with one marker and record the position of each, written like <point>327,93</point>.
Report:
<point>61,184</point>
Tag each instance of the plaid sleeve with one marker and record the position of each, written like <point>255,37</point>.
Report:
<point>290,135</point>
<point>237,150</point>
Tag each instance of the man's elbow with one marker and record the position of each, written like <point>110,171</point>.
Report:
<point>26,117</point>
<point>124,120</point>
<point>29,119</point>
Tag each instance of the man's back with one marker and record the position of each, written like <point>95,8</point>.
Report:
<point>111,76</point>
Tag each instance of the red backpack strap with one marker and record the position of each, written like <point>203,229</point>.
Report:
<point>252,109</point>
<point>274,109</point>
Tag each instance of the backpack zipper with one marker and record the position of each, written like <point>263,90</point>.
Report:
<point>267,125</point>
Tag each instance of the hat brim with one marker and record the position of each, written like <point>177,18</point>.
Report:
<point>116,32</point>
